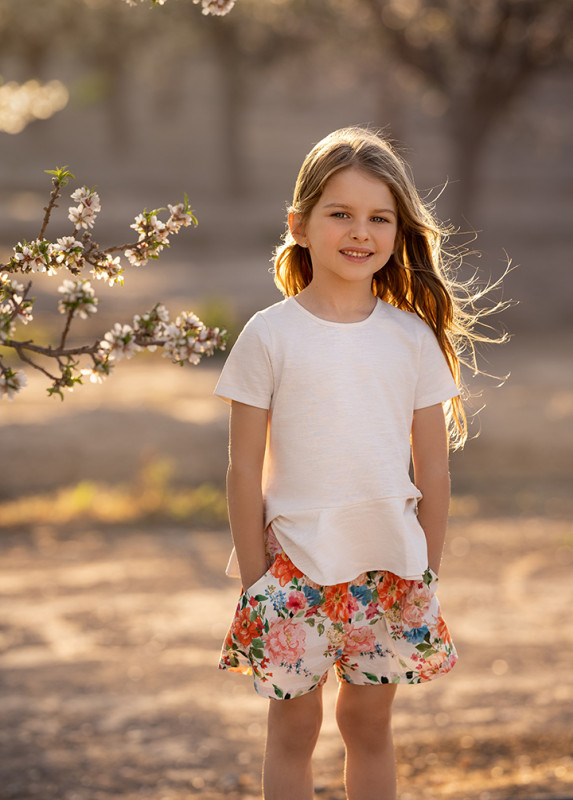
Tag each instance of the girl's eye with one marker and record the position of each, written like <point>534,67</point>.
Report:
<point>380,219</point>
<point>339,214</point>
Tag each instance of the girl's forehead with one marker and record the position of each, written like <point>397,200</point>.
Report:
<point>357,185</point>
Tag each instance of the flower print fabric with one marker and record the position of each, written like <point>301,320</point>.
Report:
<point>379,628</point>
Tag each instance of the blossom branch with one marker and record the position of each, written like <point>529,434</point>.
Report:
<point>217,8</point>
<point>60,178</point>
<point>185,340</point>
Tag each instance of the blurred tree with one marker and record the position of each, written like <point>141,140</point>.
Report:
<point>476,57</point>
<point>112,37</point>
<point>82,40</point>
<point>248,44</point>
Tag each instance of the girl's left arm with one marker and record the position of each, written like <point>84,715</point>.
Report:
<point>432,477</point>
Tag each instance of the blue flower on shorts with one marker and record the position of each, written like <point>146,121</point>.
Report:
<point>362,593</point>
<point>278,599</point>
<point>416,635</point>
<point>312,595</point>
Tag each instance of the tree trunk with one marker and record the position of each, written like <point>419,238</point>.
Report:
<point>234,97</point>
<point>234,101</point>
<point>117,102</point>
<point>468,137</point>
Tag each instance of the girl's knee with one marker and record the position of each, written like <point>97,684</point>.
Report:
<point>365,717</point>
<point>295,725</point>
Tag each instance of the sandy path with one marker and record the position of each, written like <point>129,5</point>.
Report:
<point>109,686</point>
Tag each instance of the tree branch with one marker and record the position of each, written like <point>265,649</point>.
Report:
<point>19,348</point>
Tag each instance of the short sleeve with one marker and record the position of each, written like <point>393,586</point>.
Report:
<point>435,382</point>
<point>247,375</point>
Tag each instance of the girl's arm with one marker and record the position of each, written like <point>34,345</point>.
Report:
<point>247,440</point>
<point>432,477</point>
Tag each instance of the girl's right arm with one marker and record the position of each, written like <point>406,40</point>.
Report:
<point>247,442</point>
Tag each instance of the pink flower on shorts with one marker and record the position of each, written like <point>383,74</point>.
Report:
<point>434,666</point>
<point>296,601</point>
<point>352,603</point>
<point>416,606</point>
<point>285,641</point>
<point>360,639</point>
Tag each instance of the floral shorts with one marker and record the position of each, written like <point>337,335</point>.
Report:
<point>288,631</point>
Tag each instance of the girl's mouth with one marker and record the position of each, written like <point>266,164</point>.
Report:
<point>357,254</point>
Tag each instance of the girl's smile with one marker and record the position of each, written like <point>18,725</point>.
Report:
<point>351,231</point>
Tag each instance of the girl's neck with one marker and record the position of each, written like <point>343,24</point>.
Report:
<point>348,304</point>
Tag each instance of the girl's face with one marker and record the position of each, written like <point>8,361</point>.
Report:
<point>351,231</point>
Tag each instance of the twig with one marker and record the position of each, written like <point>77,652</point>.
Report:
<point>67,328</point>
<point>50,207</point>
<point>19,348</point>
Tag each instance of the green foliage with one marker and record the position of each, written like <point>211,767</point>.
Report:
<point>62,175</point>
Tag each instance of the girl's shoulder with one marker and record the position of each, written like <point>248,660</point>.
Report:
<point>278,315</point>
<point>408,321</point>
<point>264,324</point>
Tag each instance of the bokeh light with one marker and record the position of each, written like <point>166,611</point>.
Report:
<point>23,103</point>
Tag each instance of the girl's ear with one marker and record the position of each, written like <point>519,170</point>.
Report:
<point>297,229</point>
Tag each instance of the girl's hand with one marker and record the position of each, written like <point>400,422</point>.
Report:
<point>252,576</point>
<point>247,443</point>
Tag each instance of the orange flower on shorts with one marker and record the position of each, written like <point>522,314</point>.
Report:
<point>284,570</point>
<point>244,628</point>
<point>391,590</point>
<point>443,631</point>
<point>335,604</point>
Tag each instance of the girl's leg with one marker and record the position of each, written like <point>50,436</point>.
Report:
<point>293,728</point>
<point>364,716</point>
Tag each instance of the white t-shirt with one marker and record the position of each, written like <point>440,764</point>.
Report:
<point>341,396</point>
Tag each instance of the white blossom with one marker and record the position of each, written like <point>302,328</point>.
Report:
<point>179,218</point>
<point>82,216</point>
<point>9,285</point>
<point>67,251</point>
<point>217,8</point>
<point>23,309</point>
<point>13,305</point>
<point>78,298</point>
<point>100,369</point>
<point>88,198</point>
<point>109,269</point>
<point>120,342</point>
<point>136,256</point>
<point>32,257</point>
<point>11,382</point>
<point>152,325</point>
<point>155,2</point>
<point>187,339</point>
<point>24,256</point>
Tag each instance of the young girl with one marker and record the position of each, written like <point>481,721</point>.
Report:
<point>332,391</point>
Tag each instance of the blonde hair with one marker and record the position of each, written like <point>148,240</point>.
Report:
<point>418,277</point>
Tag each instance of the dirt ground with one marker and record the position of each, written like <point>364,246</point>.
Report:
<point>110,635</point>
<point>110,687</point>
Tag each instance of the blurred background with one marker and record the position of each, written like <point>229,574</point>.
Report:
<point>148,103</point>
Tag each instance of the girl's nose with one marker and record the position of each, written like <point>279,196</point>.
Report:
<point>359,233</point>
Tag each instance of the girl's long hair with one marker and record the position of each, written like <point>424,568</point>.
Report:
<point>419,275</point>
